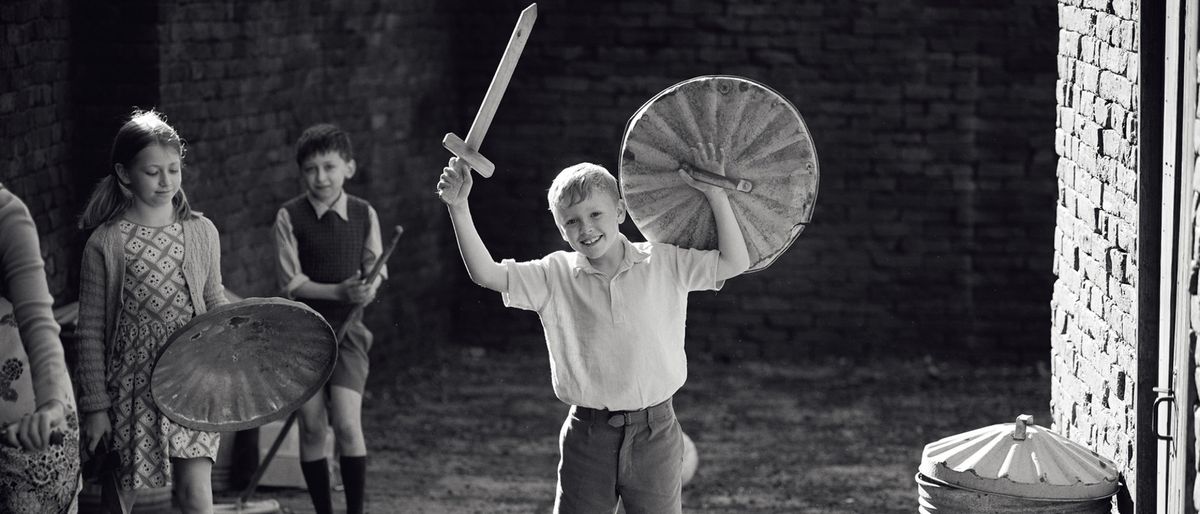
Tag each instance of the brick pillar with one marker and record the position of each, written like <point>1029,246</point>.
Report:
<point>1094,332</point>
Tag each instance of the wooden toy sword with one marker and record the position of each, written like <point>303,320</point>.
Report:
<point>468,151</point>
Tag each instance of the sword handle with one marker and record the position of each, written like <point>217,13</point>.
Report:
<point>470,156</point>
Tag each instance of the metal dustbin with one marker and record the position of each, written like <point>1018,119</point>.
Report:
<point>1014,467</point>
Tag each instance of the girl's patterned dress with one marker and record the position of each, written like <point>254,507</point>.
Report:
<point>156,302</point>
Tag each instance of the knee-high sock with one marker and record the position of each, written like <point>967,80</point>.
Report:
<point>316,475</point>
<point>354,479</point>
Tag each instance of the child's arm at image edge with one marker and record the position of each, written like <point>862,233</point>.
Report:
<point>31,302</point>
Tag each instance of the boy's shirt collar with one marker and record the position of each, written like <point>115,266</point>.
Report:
<point>339,206</point>
<point>633,255</point>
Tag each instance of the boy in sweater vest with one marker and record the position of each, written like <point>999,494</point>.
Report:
<point>325,240</point>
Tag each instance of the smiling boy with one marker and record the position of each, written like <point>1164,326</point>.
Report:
<point>613,313</point>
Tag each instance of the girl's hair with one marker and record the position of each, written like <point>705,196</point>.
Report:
<point>111,198</point>
<point>577,183</point>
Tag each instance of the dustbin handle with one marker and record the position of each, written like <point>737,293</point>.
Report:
<point>1023,421</point>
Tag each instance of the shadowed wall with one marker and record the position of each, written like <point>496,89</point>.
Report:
<point>932,119</point>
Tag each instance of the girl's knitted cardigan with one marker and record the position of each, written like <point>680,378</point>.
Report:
<point>100,292</point>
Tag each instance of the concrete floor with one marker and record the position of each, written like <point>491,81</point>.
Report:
<point>478,434</point>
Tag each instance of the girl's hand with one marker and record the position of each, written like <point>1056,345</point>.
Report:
<point>454,185</point>
<point>96,427</point>
<point>33,431</point>
<point>708,158</point>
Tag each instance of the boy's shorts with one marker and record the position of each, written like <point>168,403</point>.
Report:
<point>637,457</point>
<point>350,370</point>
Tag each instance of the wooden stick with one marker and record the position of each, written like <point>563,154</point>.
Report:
<point>376,270</point>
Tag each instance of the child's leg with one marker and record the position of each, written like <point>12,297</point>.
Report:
<point>346,416</point>
<point>314,423</point>
<point>587,468</point>
<point>346,408</point>
<point>193,484</point>
<point>652,464</point>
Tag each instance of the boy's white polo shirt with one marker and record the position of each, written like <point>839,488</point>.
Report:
<point>616,344</point>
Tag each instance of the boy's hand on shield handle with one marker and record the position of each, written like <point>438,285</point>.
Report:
<point>707,157</point>
<point>454,186</point>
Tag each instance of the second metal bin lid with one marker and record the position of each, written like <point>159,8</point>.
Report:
<point>1020,459</point>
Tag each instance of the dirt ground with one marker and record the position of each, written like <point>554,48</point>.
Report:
<point>479,433</point>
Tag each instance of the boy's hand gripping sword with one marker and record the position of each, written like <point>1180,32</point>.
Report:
<point>468,151</point>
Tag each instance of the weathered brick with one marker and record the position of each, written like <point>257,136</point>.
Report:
<point>1116,88</point>
<point>1068,47</point>
<point>1075,19</point>
<point>1087,76</point>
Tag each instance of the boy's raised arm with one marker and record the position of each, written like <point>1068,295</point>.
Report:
<point>734,259</point>
<point>454,186</point>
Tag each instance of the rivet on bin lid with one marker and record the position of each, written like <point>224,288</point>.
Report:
<point>1020,459</point>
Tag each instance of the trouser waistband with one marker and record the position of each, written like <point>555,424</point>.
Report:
<point>620,418</point>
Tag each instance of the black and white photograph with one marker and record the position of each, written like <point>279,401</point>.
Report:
<point>599,256</point>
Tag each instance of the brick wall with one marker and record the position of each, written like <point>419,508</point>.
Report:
<point>1093,337</point>
<point>932,230</point>
<point>241,80</point>
<point>36,125</point>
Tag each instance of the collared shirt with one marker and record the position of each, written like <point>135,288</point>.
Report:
<point>290,275</point>
<point>614,344</point>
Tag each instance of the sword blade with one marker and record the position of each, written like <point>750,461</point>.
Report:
<point>495,91</point>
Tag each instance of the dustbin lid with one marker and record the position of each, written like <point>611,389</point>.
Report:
<point>243,364</point>
<point>769,151</point>
<point>1020,459</point>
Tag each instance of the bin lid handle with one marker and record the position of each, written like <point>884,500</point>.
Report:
<point>1023,421</point>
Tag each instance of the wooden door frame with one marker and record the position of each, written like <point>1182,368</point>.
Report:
<point>1183,468</point>
<point>1151,31</point>
<point>1174,362</point>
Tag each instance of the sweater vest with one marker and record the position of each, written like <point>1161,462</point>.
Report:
<point>330,249</point>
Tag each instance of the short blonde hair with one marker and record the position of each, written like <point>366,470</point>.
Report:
<point>576,184</point>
